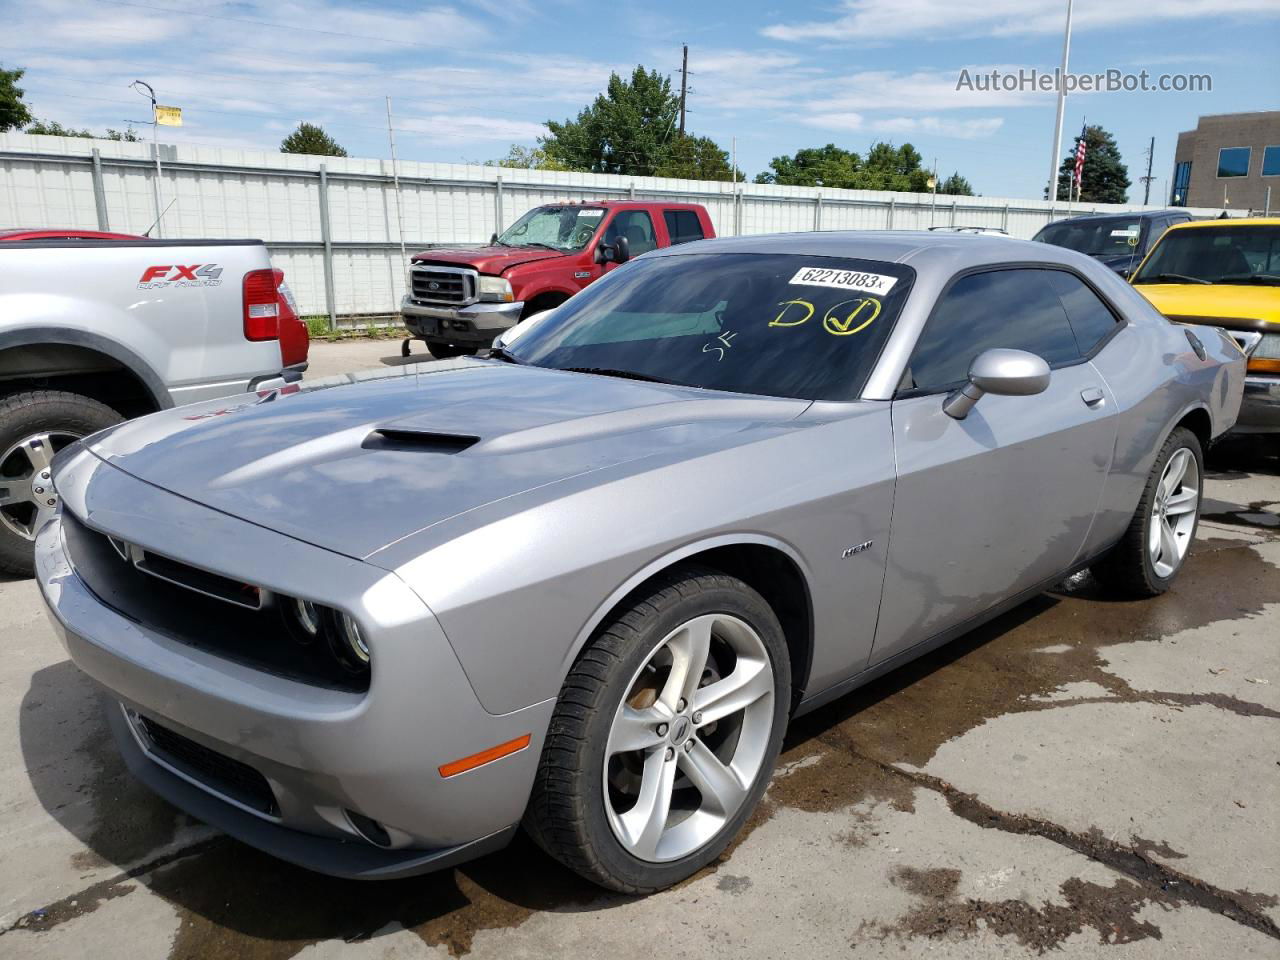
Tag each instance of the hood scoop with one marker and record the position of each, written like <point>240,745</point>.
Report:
<point>417,441</point>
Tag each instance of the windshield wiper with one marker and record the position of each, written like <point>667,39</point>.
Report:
<point>624,374</point>
<point>501,353</point>
<point>545,246</point>
<point>1266,279</point>
<point>1180,278</point>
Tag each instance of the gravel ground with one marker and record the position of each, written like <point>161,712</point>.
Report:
<point>1096,778</point>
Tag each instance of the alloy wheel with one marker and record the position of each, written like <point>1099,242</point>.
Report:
<point>1173,514</point>
<point>27,496</point>
<point>689,738</point>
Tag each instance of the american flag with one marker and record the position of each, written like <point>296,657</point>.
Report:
<point>1080,151</point>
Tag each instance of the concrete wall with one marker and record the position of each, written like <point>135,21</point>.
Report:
<point>222,192</point>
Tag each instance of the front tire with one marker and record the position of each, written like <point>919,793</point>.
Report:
<point>447,351</point>
<point>666,733</point>
<point>35,425</point>
<point>1148,557</point>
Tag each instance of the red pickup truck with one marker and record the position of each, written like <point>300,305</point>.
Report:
<point>460,299</point>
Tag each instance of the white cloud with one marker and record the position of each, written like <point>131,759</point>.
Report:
<point>469,128</point>
<point>882,20</point>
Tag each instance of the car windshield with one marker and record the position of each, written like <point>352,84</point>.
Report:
<point>1104,237</point>
<point>567,228</point>
<point>1225,254</point>
<point>772,324</point>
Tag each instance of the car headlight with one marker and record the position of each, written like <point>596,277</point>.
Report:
<point>308,622</point>
<point>496,290</point>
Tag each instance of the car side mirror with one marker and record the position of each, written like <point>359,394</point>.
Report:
<point>493,240</point>
<point>1009,373</point>
<point>622,250</point>
<point>605,253</point>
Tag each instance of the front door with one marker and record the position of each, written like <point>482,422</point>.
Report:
<point>996,503</point>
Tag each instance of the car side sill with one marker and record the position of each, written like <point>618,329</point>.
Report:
<point>937,640</point>
<point>351,859</point>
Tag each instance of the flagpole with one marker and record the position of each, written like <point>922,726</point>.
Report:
<point>1057,126</point>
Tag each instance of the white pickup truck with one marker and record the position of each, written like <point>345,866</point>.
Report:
<point>96,328</point>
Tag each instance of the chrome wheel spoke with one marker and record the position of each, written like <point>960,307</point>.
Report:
<point>721,789</point>
<point>689,648</point>
<point>638,729</point>
<point>1182,502</point>
<point>644,823</point>
<point>1168,543</point>
<point>39,451</point>
<point>750,680</point>
<point>12,493</point>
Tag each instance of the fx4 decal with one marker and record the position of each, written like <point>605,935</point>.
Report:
<point>167,275</point>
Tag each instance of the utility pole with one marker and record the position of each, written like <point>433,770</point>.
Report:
<point>1062,102</point>
<point>684,84</point>
<point>155,150</point>
<point>395,178</point>
<point>1146,181</point>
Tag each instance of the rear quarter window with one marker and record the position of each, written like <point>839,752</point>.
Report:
<point>683,226</point>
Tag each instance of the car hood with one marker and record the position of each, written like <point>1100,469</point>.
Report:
<point>492,260</point>
<point>356,463</point>
<point>1206,302</point>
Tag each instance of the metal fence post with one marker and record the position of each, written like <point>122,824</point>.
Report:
<point>99,193</point>
<point>888,225</point>
<point>953,212</point>
<point>1004,219</point>
<point>817,211</point>
<point>497,205</point>
<point>327,237</point>
<point>631,191</point>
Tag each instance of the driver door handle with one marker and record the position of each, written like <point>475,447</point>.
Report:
<point>1092,396</point>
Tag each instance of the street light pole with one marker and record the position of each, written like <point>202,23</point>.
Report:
<point>155,149</point>
<point>1057,126</point>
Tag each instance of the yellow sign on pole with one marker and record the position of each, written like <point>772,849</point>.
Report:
<point>168,116</point>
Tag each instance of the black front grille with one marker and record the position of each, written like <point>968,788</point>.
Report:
<point>200,609</point>
<point>442,285</point>
<point>220,773</point>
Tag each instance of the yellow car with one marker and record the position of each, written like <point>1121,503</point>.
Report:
<point>1226,273</point>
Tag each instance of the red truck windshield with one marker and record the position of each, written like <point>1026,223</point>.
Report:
<point>566,229</point>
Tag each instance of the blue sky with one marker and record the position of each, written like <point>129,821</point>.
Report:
<point>469,77</point>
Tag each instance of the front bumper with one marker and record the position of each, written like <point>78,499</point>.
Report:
<point>477,323</point>
<point>1260,409</point>
<point>325,753</point>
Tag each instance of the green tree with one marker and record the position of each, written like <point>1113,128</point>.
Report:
<point>625,130</point>
<point>830,166</point>
<point>956,185</point>
<point>526,158</point>
<point>13,111</point>
<point>129,135</point>
<point>309,138</point>
<point>695,158</point>
<point>52,128</point>
<point>1104,179</point>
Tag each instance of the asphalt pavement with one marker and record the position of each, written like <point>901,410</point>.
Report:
<point>1085,776</point>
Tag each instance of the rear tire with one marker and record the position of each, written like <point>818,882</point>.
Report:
<point>1149,556</point>
<point>34,425</point>
<point>613,734</point>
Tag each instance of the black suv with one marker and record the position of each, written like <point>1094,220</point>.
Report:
<point>1120,240</point>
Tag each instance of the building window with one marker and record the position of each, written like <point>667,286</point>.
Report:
<point>1181,183</point>
<point>1271,162</point>
<point>1233,161</point>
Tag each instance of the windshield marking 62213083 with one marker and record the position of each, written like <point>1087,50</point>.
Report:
<point>771,324</point>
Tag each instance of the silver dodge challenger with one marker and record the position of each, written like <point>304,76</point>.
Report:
<point>582,584</point>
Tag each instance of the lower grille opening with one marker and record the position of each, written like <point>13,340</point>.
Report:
<point>371,830</point>
<point>220,773</point>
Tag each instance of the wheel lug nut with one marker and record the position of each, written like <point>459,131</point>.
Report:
<point>697,717</point>
<point>39,490</point>
<point>662,729</point>
<point>688,745</point>
<point>51,502</point>
<point>671,753</point>
<point>681,705</point>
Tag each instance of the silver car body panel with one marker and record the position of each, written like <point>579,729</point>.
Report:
<point>481,519</point>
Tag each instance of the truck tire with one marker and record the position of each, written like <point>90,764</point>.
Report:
<point>637,787</point>
<point>447,351</point>
<point>35,425</point>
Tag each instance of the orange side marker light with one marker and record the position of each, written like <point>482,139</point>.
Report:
<point>485,756</point>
